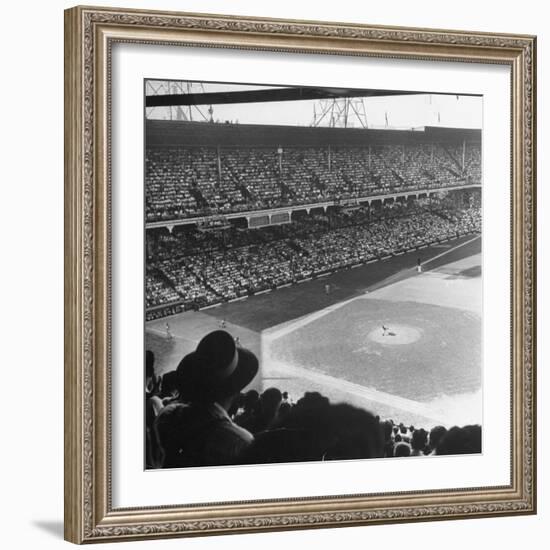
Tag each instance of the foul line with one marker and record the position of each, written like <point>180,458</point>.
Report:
<point>450,250</point>
<point>273,334</point>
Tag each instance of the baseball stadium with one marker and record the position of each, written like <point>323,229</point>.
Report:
<point>345,256</point>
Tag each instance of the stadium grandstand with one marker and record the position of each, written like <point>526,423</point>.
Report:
<point>272,191</point>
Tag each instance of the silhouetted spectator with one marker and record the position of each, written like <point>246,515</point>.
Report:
<point>267,410</point>
<point>402,449</point>
<point>460,441</point>
<point>436,434</point>
<point>419,441</point>
<point>201,433</point>
<point>320,431</point>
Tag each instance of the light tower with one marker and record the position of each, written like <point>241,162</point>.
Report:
<point>177,112</point>
<point>340,112</point>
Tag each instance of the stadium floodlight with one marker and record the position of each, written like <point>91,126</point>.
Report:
<point>343,112</point>
<point>167,111</point>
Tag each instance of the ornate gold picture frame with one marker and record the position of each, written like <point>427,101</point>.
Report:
<point>90,35</point>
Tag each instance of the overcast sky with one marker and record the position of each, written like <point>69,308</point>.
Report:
<point>400,111</point>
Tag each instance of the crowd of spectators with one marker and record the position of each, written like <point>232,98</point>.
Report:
<point>158,290</point>
<point>200,268</point>
<point>198,415</point>
<point>189,182</point>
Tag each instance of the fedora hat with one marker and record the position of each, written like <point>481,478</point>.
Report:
<point>216,369</point>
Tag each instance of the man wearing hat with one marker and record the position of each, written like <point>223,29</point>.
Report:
<point>198,431</point>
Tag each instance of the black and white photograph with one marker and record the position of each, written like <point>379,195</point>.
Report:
<point>313,274</point>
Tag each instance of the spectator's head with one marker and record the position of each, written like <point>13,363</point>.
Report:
<point>419,439</point>
<point>387,429</point>
<point>306,413</point>
<point>402,449</point>
<point>271,395</point>
<point>216,371</point>
<point>270,400</point>
<point>266,414</point>
<point>436,434</point>
<point>312,401</point>
<point>398,438</point>
<point>351,433</point>
<point>459,441</point>
<point>251,400</point>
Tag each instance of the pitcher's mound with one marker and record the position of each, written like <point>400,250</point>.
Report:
<point>395,335</point>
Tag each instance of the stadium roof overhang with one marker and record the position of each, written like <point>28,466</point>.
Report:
<point>273,94</point>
